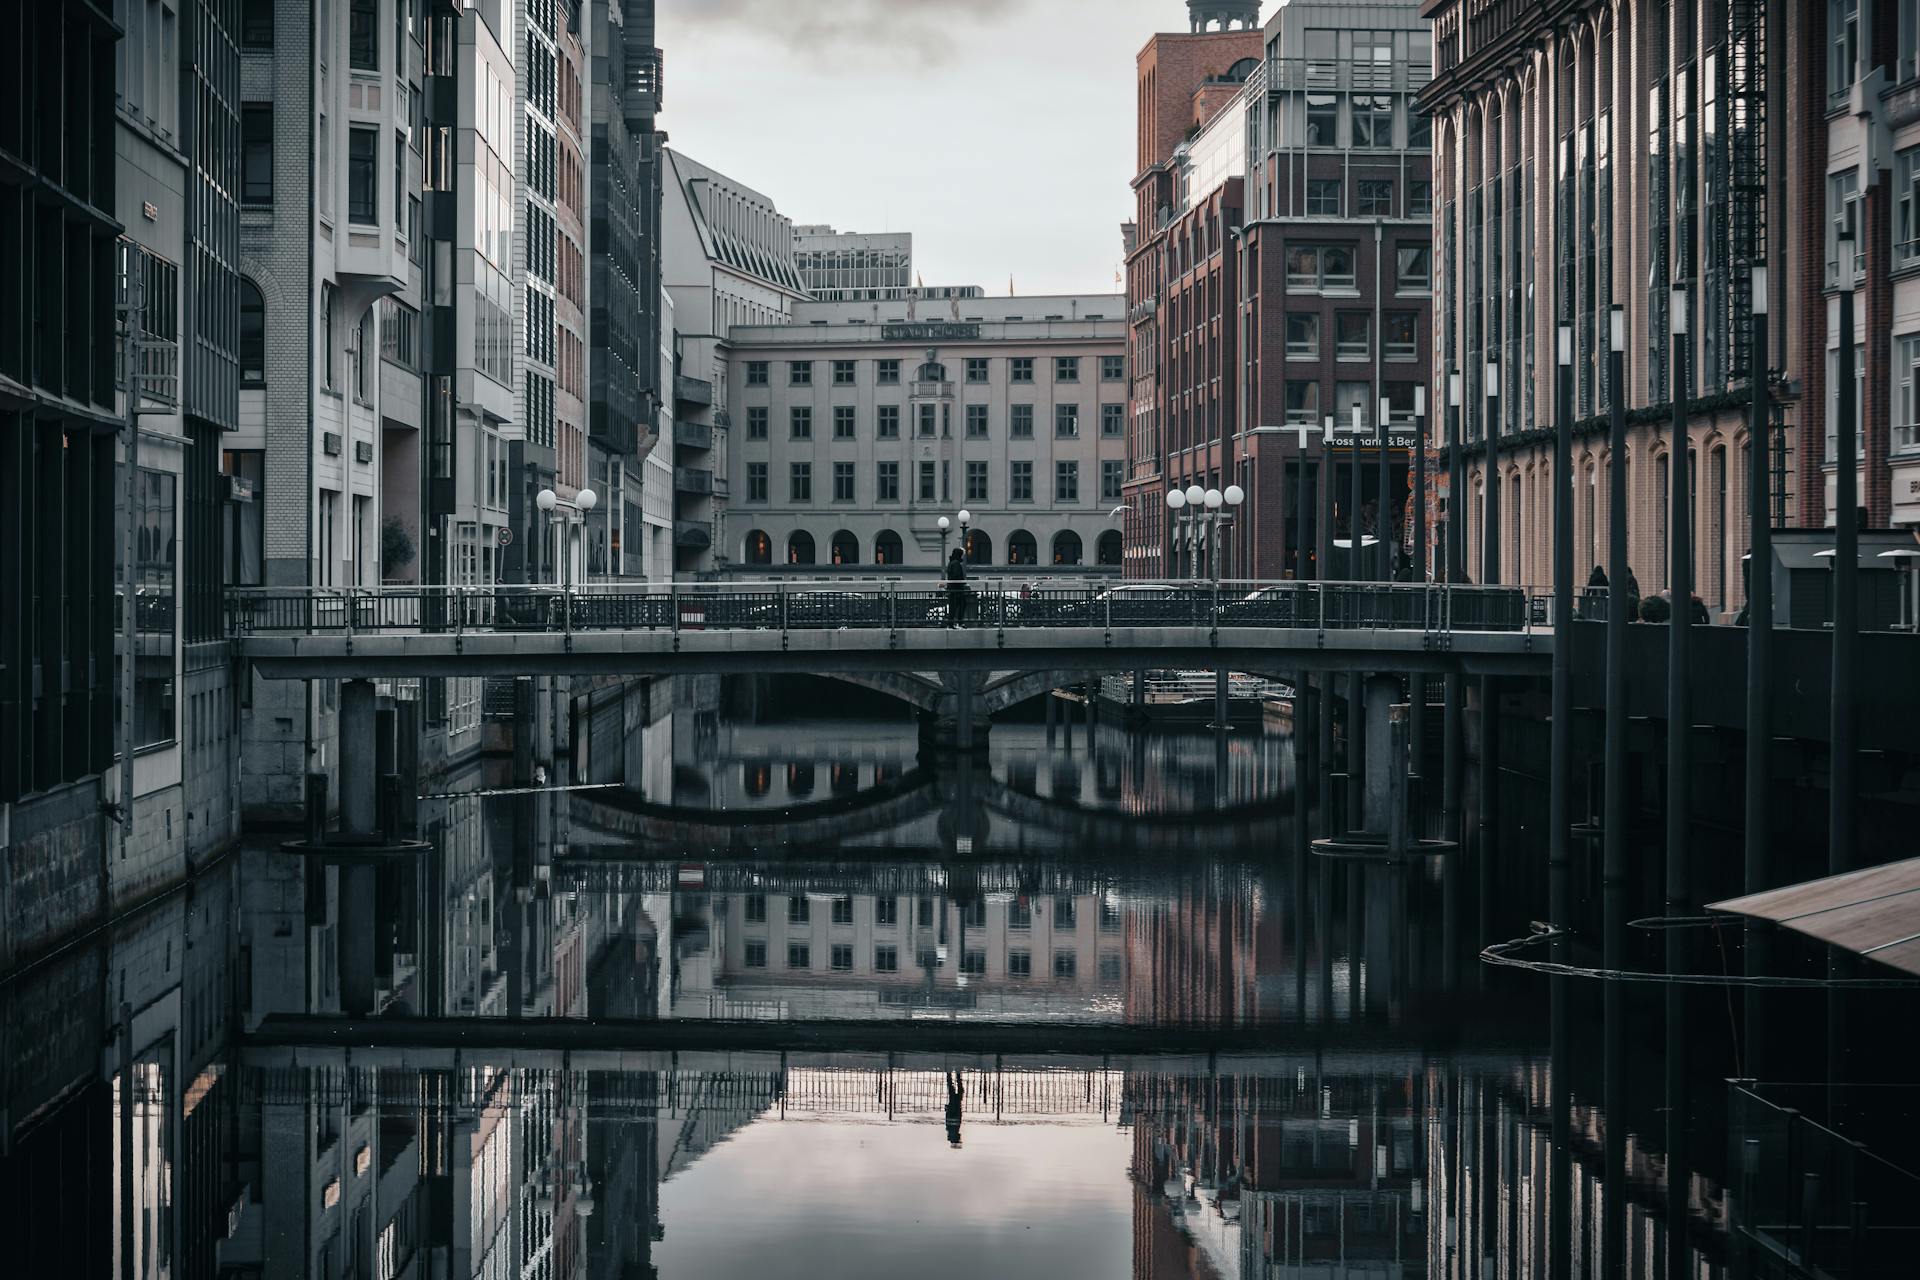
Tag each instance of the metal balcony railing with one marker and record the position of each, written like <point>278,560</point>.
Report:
<point>1345,75</point>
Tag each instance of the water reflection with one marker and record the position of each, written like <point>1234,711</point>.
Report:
<point>535,1048</point>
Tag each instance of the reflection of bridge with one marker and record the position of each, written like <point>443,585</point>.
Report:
<point>895,816</point>
<point>322,633</point>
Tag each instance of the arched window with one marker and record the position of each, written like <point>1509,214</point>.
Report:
<point>887,548</point>
<point>1066,547</point>
<point>1107,550</point>
<point>253,333</point>
<point>979,547</point>
<point>759,548</point>
<point>1022,549</point>
<point>931,372</point>
<point>800,547</point>
<point>845,548</point>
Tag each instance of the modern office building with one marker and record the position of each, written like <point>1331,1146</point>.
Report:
<point>853,438</point>
<point>1284,281</point>
<point>852,266</point>
<point>1601,159</point>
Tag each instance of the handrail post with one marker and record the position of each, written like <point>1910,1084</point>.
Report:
<point>784,627</point>
<point>673,604</point>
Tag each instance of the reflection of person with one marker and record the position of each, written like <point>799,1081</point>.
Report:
<point>955,1093</point>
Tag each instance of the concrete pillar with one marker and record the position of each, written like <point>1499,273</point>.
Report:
<point>1140,692</point>
<point>359,759</point>
<point>358,891</point>
<point>1053,710</point>
<point>1382,693</point>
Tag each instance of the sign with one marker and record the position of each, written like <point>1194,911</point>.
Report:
<point>929,332</point>
<point>506,535</point>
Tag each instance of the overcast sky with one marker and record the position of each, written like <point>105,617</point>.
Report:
<point>999,132</point>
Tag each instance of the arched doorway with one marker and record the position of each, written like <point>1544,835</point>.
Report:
<point>1066,547</point>
<point>759,548</point>
<point>800,547</point>
<point>979,547</point>
<point>1022,549</point>
<point>845,549</point>
<point>1107,550</point>
<point>887,548</point>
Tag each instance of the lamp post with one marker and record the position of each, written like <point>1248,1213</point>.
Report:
<point>1490,535</point>
<point>1846,577</point>
<point>1204,511</point>
<point>1759,598</point>
<point>1456,567</point>
<point>1382,522</point>
<point>1680,623</point>
<point>1560,743</point>
<point>1420,485</point>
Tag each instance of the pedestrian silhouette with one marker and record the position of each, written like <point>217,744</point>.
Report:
<point>956,1092</point>
<point>956,588</point>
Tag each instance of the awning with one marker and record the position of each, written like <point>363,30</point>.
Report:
<point>1873,913</point>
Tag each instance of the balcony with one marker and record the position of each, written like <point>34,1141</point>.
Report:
<point>692,535</point>
<point>692,435</point>
<point>693,391</point>
<point>694,480</point>
<point>1345,75</point>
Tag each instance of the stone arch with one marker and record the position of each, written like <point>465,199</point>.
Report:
<point>917,691</point>
<point>1003,692</point>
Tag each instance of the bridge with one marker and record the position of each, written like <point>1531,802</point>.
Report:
<point>870,629</point>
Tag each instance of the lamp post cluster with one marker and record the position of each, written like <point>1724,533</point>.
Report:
<point>946,530</point>
<point>1205,509</point>
<point>549,503</point>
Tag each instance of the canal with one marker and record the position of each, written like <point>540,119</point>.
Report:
<point>809,1002</point>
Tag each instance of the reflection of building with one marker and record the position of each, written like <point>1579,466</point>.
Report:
<point>857,426</point>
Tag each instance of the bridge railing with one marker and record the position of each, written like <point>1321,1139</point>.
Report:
<point>1432,608</point>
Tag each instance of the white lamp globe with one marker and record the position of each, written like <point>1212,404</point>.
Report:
<point>945,524</point>
<point>588,499</point>
<point>966,517</point>
<point>1235,495</point>
<point>1196,495</point>
<point>1213,499</point>
<point>546,500</point>
<point>1176,499</point>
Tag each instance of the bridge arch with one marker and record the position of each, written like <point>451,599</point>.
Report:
<point>917,691</point>
<point>1003,692</point>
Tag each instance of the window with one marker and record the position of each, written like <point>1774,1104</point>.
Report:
<point>799,956</point>
<point>1109,966</point>
<point>1323,120</point>
<point>886,959</point>
<point>1303,404</point>
<point>754,908</point>
<point>843,422</point>
<point>1020,422</point>
<point>973,963</point>
<point>800,373</point>
<point>800,482</point>
<point>976,369</point>
<point>363,38</point>
<point>1348,396</point>
<point>757,954</point>
<point>756,373</point>
<point>1376,197</point>
<point>757,422</point>
<point>1372,121</point>
<point>1020,369</point>
<point>1352,336</point>
<point>926,482</point>
<point>843,373</point>
<point>976,482</point>
<point>362,182</point>
<point>1066,369</point>
<point>887,373</point>
<point>1413,269</point>
<point>1906,206</point>
<point>1112,474</point>
<point>253,334</point>
<point>799,910</point>
<point>929,420</point>
<point>886,482</point>
<point>887,422</point>
<point>256,154</point>
<point>1065,964</point>
<point>1020,482</point>
<point>1019,915</point>
<point>1843,53</point>
<point>843,482</point>
<point>843,910</point>
<point>756,482</point>
<point>1323,197</point>
<point>1906,432</point>
<point>1019,964</point>
<point>1401,340</point>
<point>1113,421</point>
<point>1303,336</point>
<point>976,422</point>
<point>1859,403</point>
<point>1843,191</point>
<point>1909,48</point>
<point>256,24</point>
<point>1320,267</point>
<point>1419,199</point>
<point>1066,421</point>
<point>327,343</point>
<point>1419,130</point>
<point>800,422</point>
<point>1066,482</point>
<point>1113,368</point>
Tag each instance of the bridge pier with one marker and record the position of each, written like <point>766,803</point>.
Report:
<point>958,721</point>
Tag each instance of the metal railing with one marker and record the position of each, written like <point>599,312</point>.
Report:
<point>887,605</point>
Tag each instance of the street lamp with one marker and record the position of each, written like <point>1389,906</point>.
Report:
<point>547,500</point>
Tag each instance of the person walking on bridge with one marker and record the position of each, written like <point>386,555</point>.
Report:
<point>957,589</point>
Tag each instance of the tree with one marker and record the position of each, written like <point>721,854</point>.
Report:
<point>396,546</point>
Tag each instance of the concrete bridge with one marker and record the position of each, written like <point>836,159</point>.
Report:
<point>874,631</point>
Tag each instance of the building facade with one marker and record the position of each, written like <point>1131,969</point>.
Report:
<point>1593,156</point>
<point>854,438</point>
<point>851,266</point>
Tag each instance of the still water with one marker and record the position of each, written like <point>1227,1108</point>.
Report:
<point>807,1004</point>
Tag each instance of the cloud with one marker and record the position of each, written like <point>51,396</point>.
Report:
<point>922,30</point>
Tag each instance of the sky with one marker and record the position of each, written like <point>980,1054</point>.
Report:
<point>999,132</point>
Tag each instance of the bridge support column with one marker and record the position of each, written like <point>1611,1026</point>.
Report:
<point>957,722</point>
<point>1382,692</point>
<point>1053,709</point>
<point>359,789</point>
<point>1140,694</point>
